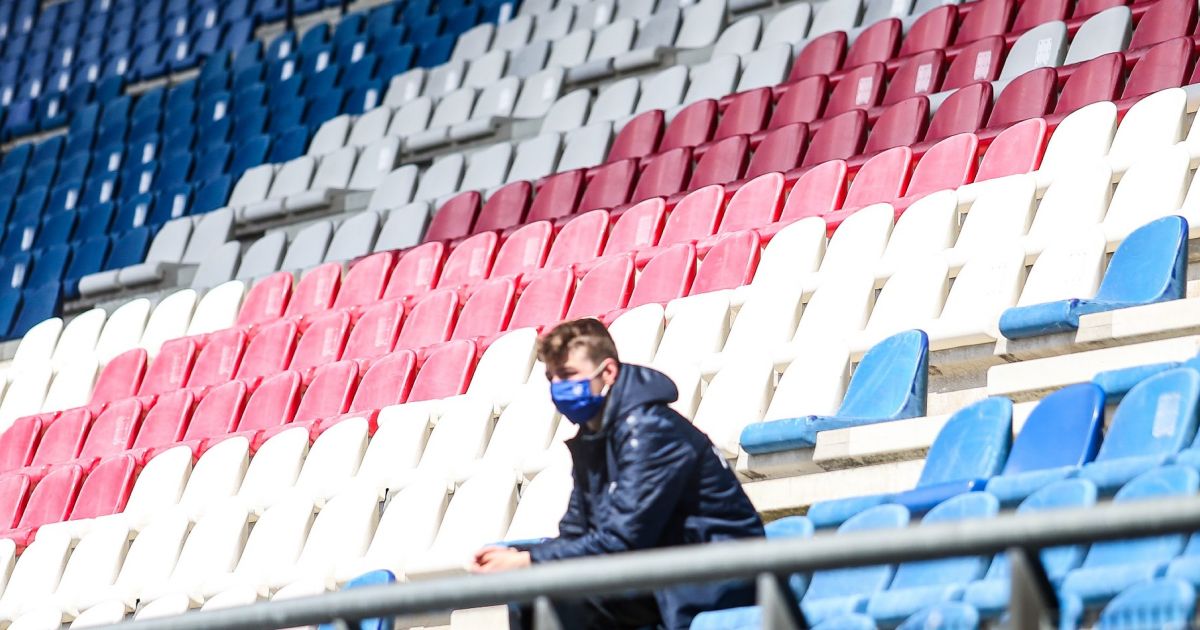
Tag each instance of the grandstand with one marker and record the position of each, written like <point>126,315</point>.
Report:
<point>276,270</point>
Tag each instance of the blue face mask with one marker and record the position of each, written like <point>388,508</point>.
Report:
<point>574,398</point>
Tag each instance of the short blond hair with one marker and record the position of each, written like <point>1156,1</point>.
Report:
<point>555,346</point>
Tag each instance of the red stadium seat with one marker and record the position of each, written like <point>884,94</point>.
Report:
<point>918,74</point>
<point>1015,150</point>
<point>821,56</point>
<point>120,378</point>
<point>316,291</point>
<point>1035,12</point>
<point>322,342</point>
<point>605,287</point>
<point>1093,81</point>
<point>580,240</point>
<point>267,300</point>
<point>218,360</point>
<point>695,217</point>
<point>524,250</point>
<point>487,311</point>
<point>724,161</point>
<point>50,502</point>
<point>746,113</point>
<point>637,228</point>
<point>779,151</point>
<point>964,111</point>
<point>505,208</point>
<point>665,277</point>
<point>557,196</point>
<point>987,18</point>
<point>14,494</point>
<point>1088,8</point>
<point>18,444</point>
<point>692,126</point>
<point>839,138</point>
<point>730,263</point>
<point>374,334</point>
<point>664,174</point>
<point>882,179</point>
<point>802,102</point>
<point>859,88</point>
<point>1028,96</point>
<point>1164,20</point>
<point>366,280</point>
<point>946,166</point>
<point>216,415</point>
<point>61,441</point>
<point>269,352</point>
<point>430,321</point>
<point>609,186</point>
<point>978,61</point>
<point>755,204</point>
<point>445,373</point>
<point>106,489</point>
<point>1163,66</point>
<point>818,192</point>
<point>876,43</point>
<point>900,125</point>
<point>454,218</point>
<point>470,261</point>
<point>273,404</point>
<point>329,394</point>
<point>386,383</point>
<point>165,423</point>
<point>416,272</point>
<point>112,432</point>
<point>544,301</point>
<point>640,136</point>
<point>931,31</point>
<point>171,368</point>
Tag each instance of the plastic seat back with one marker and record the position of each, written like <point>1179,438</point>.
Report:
<point>114,430</point>
<point>1162,21</point>
<point>1015,150</point>
<point>693,125</point>
<point>316,291</point>
<point>51,501</point>
<point>664,174</point>
<point>695,216</point>
<point>1157,417</point>
<point>818,192</point>
<point>801,103</point>
<point>610,185</point>
<point>374,334</point>
<point>1064,429</point>
<point>821,55</point>
<point>470,261</point>
<point>544,300</point>
<point>455,218</point>
<point>779,151</point>
<point>1167,481</point>
<point>167,420</point>
<point>638,137</point>
<point>1027,96</point>
<point>106,489</point>
<point>557,196</point>
<point>416,272</point>
<point>385,383</point>
<point>524,250</point>
<point>487,311</point>
<point>892,379</point>
<point>882,179</point>
<point>431,320</point>
<point>1149,266</point>
<point>446,372</point>
<point>605,287</point>
<point>839,138</point>
<point>330,392</point>
<point>725,161</point>
<point>1093,81</point>
<point>580,240</point>
<point>973,444</point>
<point>63,438</point>
<point>121,378</point>
<point>862,581</point>
<point>665,277</point>
<point>945,166</point>
<point>323,341</point>
<point>19,442</point>
<point>269,351</point>
<point>978,61</point>
<point>366,280</point>
<point>730,263</point>
<point>272,404</point>
<point>964,111</point>
<point>969,506</point>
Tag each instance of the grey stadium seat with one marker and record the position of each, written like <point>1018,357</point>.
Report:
<point>536,157</point>
<point>262,257</point>
<point>395,190</point>
<point>1042,46</point>
<point>1106,32</point>
<point>308,248</point>
<point>403,227</point>
<point>441,179</point>
<point>354,237</point>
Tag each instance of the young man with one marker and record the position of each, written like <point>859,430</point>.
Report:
<point>645,477</point>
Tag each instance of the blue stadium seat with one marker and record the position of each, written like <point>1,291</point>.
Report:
<point>110,87</point>
<point>14,270</point>
<point>17,158</point>
<point>436,52</point>
<point>47,150</point>
<point>49,266</point>
<point>132,213</point>
<point>374,578</point>
<point>250,153</point>
<point>212,163</point>
<point>212,195</point>
<point>281,47</point>
<point>971,447</point>
<point>171,203</point>
<point>943,616</point>
<point>250,123</point>
<point>94,221</point>
<point>248,56</point>
<point>88,258</point>
<point>1111,567</point>
<point>1166,604</point>
<point>20,119</point>
<point>363,98</point>
<point>991,594</point>
<point>920,584</point>
<point>52,112</point>
<point>1062,433</point>
<point>890,383</point>
<point>382,18</point>
<point>1154,421</point>
<point>751,616</point>
<point>1149,266</point>
<point>317,84</point>
<point>841,591</point>
<point>398,61</point>
<point>324,107</point>
<point>36,305</point>
<point>314,39</point>
<point>237,34</point>
<point>56,229</point>
<point>10,303</point>
<point>351,26</point>
<point>289,144</point>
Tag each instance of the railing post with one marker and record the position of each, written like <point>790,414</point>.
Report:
<point>779,608</point>
<point>544,615</point>
<point>1032,602</point>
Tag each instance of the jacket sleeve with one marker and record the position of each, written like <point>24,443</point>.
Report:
<point>653,468</point>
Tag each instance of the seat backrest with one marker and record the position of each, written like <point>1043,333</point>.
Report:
<point>446,372</point>
<point>691,126</point>
<point>544,300</point>
<point>945,166</point>
<point>730,263</point>
<point>51,501</point>
<point>322,342</point>
<point>640,136</point>
<point>859,88</point>
<point>973,444</point>
<point>899,125</point>
<point>106,489</point>
<point>878,42</point>
<point>1029,95</point>
<point>882,179</point>
<point>315,291</point>
<point>114,429</point>
<point>269,351</point>
<point>605,287</point>
<point>1096,80</point>
<point>665,277</point>
<point>991,17</point>
<point>818,192</point>
<point>1163,21</point>
<point>1165,481</point>
<point>1150,265</point>
<point>779,151</point>
<point>417,271</point>
<point>891,381</point>
<point>308,247</point>
<point>978,61</point>
<point>1106,32</point>
<point>1157,417</point>
<point>487,311</point>
<point>860,580</point>
<point>967,506</point>
<point>695,216</point>
<point>1071,419</point>
<point>1017,149</point>
<point>386,383</point>
<point>839,138</point>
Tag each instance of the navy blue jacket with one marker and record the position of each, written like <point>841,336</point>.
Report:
<point>649,479</point>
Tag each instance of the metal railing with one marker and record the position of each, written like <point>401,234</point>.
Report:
<point>1033,602</point>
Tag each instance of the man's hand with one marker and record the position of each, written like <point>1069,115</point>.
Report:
<point>497,559</point>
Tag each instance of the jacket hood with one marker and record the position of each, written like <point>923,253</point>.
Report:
<point>636,387</point>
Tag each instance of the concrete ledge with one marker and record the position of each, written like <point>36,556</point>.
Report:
<point>1030,379</point>
<point>774,498</point>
